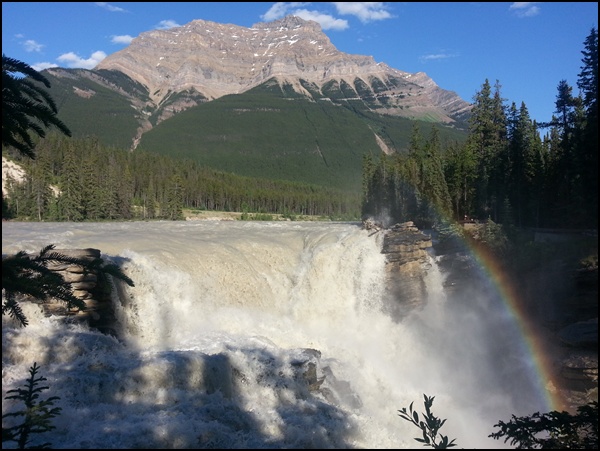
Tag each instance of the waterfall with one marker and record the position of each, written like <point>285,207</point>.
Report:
<point>254,335</point>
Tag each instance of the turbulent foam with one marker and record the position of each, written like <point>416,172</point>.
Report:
<point>222,324</point>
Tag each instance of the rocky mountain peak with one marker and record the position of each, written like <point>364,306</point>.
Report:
<point>208,60</point>
<point>219,59</point>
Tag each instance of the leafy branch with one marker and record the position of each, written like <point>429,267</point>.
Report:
<point>561,429</point>
<point>430,426</point>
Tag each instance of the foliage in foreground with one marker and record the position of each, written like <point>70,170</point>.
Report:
<point>561,430</point>
<point>36,414</point>
<point>430,426</point>
<point>552,430</point>
<point>26,107</point>
<point>29,275</point>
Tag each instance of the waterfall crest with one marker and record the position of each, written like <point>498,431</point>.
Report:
<point>253,335</point>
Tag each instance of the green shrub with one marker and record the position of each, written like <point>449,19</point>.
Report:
<point>36,414</point>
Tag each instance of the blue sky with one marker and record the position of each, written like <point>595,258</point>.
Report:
<point>529,47</point>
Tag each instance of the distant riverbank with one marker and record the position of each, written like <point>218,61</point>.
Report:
<point>207,215</point>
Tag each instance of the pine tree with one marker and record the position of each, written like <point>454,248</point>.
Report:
<point>567,122</point>
<point>487,141</point>
<point>368,169</point>
<point>521,174</point>
<point>26,107</point>
<point>434,184</point>
<point>40,185</point>
<point>460,173</point>
<point>36,415</point>
<point>174,199</point>
<point>588,77</point>
<point>551,198</point>
<point>539,182</point>
<point>71,197</point>
<point>588,84</point>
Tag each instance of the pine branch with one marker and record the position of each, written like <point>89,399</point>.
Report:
<point>36,415</point>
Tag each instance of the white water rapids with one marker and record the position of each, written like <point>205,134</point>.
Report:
<point>221,316</point>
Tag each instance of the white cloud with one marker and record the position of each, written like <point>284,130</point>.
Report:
<point>525,9</point>
<point>326,21</point>
<point>436,57</point>
<point>280,9</point>
<point>31,46</point>
<point>110,7</point>
<point>42,66</point>
<point>365,11</point>
<point>166,24</point>
<point>123,39</point>
<point>75,61</point>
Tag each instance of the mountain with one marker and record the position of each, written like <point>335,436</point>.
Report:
<point>216,59</point>
<point>276,100</point>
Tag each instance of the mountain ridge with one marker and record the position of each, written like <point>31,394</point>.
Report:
<point>212,93</point>
<point>220,59</point>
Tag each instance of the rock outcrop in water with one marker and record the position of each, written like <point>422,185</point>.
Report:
<point>90,287</point>
<point>405,247</point>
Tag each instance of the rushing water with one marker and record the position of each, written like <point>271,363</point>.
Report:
<point>217,332</point>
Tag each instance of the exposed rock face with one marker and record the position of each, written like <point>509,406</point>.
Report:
<point>11,171</point>
<point>82,284</point>
<point>215,59</point>
<point>405,247</point>
<point>580,334</point>
<point>87,287</point>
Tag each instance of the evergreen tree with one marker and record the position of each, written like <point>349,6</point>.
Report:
<point>553,178</point>
<point>414,168</point>
<point>36,414</point>
<point>499,148</point>
<point>588,77</point>
<point>91,172</point>
<point>434,187</point>
<point>487,141</point>
<point>588,85</point>
<point>522,169</point>
<point>26,107</point>
<point>40,185</point>
<point>368,169</point>
<point>71,200</point>
<point>125,193</point>
<point>406,195</point>
<point>552,430</point>
<point>174,199</point>
<point>539,167</point>
<point>566,107</point>
<point>460,173</point>
<point>149,200</point>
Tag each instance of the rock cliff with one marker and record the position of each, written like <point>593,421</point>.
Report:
<point>407,263</point>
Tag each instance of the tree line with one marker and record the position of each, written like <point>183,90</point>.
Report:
<point>506,170</point>
<point>81,180</point>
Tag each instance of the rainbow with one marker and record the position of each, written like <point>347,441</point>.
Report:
<point>534,346</point>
